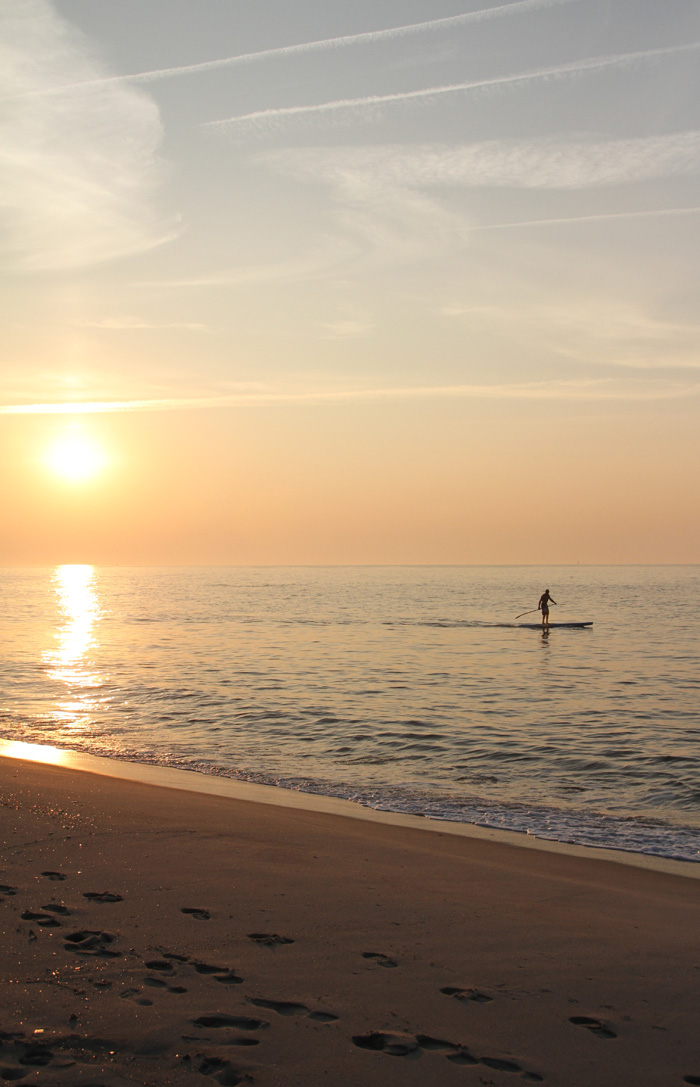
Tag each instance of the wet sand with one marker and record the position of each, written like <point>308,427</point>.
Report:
<point>156,936</point>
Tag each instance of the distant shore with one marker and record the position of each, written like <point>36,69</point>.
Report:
<point>150,933</point>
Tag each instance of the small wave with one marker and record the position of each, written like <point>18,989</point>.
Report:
<point>651,837</point>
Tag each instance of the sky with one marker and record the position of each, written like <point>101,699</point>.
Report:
<point>389,282</point>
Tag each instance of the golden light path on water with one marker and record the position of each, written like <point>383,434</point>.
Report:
<point>70,663</point>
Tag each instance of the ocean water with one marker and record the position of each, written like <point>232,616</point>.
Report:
<point>410,689</point>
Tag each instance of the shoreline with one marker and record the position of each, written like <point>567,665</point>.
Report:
<point>277,796</point>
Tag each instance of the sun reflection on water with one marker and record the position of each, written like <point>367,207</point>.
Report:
<point>70,662</point>
<point>18,749</point>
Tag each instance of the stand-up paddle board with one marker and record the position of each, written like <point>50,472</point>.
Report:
<point>538,626</point>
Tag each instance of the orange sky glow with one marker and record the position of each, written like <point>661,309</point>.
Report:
<point>351,287</point>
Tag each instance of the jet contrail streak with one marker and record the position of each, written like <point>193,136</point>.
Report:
<point>345,40</point>
<point>580,66</point>
<point>653,213</point>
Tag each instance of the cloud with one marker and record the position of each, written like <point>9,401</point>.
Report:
<point>603,389</point>
<point>79,173</point>
<point>347,330</point>
<point>549,163</point>
<point>649,213</point>
<point>387,199</point>
<point>520,7</point>
<point>265,119</point>
<point>311,265</point>
<point>597,332</point>
<point>137,323</point>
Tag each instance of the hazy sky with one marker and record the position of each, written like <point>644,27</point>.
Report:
<point>399,281</point>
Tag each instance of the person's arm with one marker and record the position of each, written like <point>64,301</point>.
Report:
<point>552,601</point>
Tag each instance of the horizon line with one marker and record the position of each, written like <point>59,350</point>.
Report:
<point>325,565</point>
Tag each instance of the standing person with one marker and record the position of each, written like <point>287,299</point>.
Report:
<point>543,606</point>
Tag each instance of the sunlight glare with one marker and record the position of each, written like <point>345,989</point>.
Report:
<point>75,458</point>
<point>18,749</point>
<point>77,599</point>
<point>70,663</point>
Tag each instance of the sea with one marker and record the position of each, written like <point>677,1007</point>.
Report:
<point>409,689</point>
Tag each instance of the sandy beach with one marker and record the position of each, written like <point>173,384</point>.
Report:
<point>156,936</point>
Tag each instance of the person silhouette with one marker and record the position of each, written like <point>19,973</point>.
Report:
<point>543,606</point>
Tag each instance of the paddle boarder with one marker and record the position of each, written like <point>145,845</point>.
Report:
<point>543,606</point>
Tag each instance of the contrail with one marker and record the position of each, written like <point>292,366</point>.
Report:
<point>345,40</point>
<point>574,68</point>
<point>652,213</point>
<point>366,37</point>
<point>594,389</point>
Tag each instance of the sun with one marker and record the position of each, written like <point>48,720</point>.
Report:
<point>75,458</point>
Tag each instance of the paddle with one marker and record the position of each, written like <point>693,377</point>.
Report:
<point>529,612</point>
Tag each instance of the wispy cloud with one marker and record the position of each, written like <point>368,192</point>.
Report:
<point>549,163</point>
<point>272,117</point>
<point>349,329</point>
<point>127,324</point>
<point>586,390</point>
<point>369,37</point>
<point>598,332</point>
<point>387,199</point>
<point>314,263</point>
<point>649,213</point>
<point>78,175</point>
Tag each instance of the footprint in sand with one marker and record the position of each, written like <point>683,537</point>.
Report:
<point>474,995</point>
<point>55,907</point>
<point>241,1040</point>
<point>596,1026</point>
<point>695,1080</point>
<point>222,1071</point>
<point>197,912</point>
<point>269,939</point>
<point>90,942</point>
<point>408,1045</point>
<point>46,920</point>
<point>102,896</point>
<point>6,889</point>
<point>57,877</point>
<point>238,1022</point>
<point>379,958</point>
<point>136,996</point>
<point>223,974</point>
<point>229,978</point>
<point>396,1045</point>
<point>161,965</point>
<point>166,967</point>
<point>155,983</point>
<point>19,1057</point>
<point>458,1054</point>
<point>287,1007</point>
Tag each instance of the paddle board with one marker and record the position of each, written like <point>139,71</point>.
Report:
<point>538,626</point>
